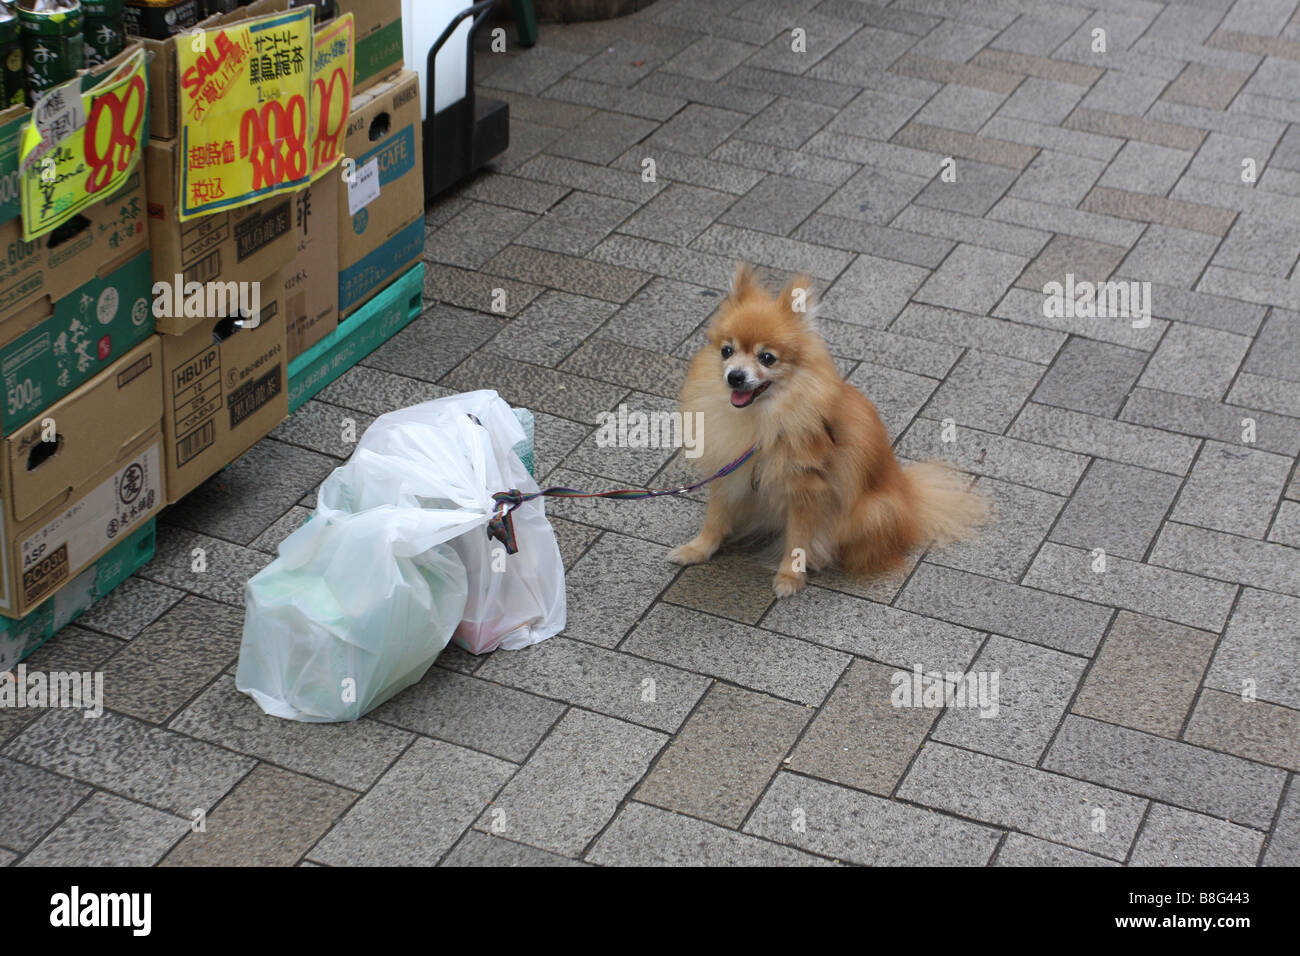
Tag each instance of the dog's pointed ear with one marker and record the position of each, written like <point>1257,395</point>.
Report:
<point>797,297</point>
<point>744,284</point>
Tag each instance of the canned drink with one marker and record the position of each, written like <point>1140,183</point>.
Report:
<point>160,19</point>
<point>52,41</point>
<point>105,30</point>
<point>12,88</point>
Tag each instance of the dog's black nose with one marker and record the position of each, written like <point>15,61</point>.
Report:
<point>735,378</point>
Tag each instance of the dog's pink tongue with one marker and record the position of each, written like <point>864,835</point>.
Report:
<point>741,399</point>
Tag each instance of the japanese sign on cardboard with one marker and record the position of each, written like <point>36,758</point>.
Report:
<point>245,112</point>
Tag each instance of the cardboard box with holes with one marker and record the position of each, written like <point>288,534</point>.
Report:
<point>379,39</point>
<point>80,477</point>
<point>225,386</point>
<point>381,208</point>
<point>74,300</point>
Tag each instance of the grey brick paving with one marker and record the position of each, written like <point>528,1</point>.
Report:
<point>1284,842</point>
<point>271,818</point>
<point>1052,620</point>
<point>1262,638</point>
<point>351,755</point>
<point>1031,801</point>
<point>1007,547</point>
<point>642,835</point>
<point>1021,850</point>
<point>1146,674</point>
<point>1174,837</point>
<point>1119,582</point>
<point>1179,773</point>
<point>1232,488</point>
<point>862,828</point>
<point>572,784</point>
<point>417,810</point>
<point>1034,687</point>
<point>723,757</point>
<point>686,717</point>
<point>109,831</point>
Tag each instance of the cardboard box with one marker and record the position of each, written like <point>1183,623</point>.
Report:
<point>243,245</point>
<point>75,479</point>
<point>49,348</point>
<point>356,337</point>
<point>163,76</point>
<point>381,210</point>
<point>311,286</point>
<point>379,39</point>
<point>224,388</point>
<point>54,265</point>
<point>21,637</point>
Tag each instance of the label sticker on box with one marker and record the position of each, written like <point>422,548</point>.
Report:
<point>65,545</point>
<point>59,113</point>
<point>363,186</point>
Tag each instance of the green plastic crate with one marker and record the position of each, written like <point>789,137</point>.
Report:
<point>357,336</point>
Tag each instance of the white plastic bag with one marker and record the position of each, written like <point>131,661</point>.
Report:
<point>366,594</point>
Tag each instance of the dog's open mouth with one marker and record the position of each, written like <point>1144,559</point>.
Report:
<point>740,399</point>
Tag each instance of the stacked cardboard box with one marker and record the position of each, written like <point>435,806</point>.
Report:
<point>219,296</point>
<point>358,224</point>
<point>139,355</point>
<point>81,414</point>
<point>379,39</point>
<point>79,476</point>
<point>381,210</point>
<point>311,292</point>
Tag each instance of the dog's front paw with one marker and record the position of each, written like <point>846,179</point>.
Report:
<point>692,552</point>
<point>787,583</point>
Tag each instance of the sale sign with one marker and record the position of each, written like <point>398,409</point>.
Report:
<point>81,146</point>
<point>245,123</point>
<point>331,92</point>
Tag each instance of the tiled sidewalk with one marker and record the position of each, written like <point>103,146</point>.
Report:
<point>684,717</point>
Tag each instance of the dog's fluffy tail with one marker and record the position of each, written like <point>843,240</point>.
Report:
<point>946,508</point>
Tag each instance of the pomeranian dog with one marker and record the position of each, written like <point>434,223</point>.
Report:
<point>824,475</point>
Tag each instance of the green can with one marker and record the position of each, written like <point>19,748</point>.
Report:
<point>12,90</point>
<point>54,47</point>
<point>105,30</point>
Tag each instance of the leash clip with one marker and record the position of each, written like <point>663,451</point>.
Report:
<point>501,526</point>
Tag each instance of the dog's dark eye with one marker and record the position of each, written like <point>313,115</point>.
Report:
<point>766,358</point>
<point>727,351</point>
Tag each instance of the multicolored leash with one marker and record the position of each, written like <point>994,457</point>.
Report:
<point>502,528</point>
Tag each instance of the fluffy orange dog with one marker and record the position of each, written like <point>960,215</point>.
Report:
<point>824,475</point>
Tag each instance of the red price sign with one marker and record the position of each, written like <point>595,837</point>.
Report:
<point>80,145</point>
<point>333,58</point>
<point>247,133</point>
<point>110,137</point>
<point>331,100</point>
<point>273,137</point>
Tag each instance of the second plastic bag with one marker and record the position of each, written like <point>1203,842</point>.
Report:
<point>395,559</point>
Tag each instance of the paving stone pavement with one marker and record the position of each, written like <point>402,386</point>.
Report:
<point>1138,599</point>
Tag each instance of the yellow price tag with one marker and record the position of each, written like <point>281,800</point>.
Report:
<point>80,147</point>
<point>331,92</point>
<point>245,129</point>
